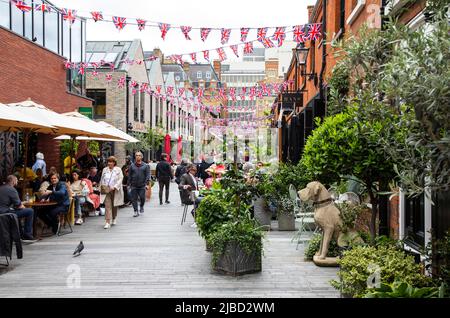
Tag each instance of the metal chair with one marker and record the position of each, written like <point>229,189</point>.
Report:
<point>185,209</point>
<point>64,218</point>
<point>304,215</point>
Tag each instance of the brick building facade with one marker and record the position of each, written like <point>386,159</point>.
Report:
<point>28,70</point>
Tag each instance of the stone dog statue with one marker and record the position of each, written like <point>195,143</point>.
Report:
<point>327,217</point>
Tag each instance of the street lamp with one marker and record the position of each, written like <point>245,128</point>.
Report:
<point>301,54</point>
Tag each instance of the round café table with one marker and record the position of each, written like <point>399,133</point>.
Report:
<point>37,206</point>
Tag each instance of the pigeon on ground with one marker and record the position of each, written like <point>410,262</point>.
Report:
<point>79,248</point>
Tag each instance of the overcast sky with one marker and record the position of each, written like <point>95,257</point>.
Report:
<point>195,13</point>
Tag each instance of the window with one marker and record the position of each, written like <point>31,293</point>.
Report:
<point>66,39</point>
<point>4,14</point>
<point>39,27</point>
<point>142,107</point>
<point>208,75</point>
<point>99,97</point>
<point>199,75</point>
<point>28,25</point>
<point>136,107</point>
<point>51,32</point>
<point>17,20</point>
<point>415,221</point>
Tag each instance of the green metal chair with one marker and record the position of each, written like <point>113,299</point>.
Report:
<point>304,215</point>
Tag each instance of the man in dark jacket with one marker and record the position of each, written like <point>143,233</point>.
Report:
<point>10,203</point>
<point>56,192</point>
<point>138,182</point>
<point>164,174</point>
<point>188,183</point>
<point>9,233</point>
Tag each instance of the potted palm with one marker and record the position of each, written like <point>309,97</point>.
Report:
<point>285,214</point>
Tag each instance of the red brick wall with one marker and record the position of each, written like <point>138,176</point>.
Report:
<point>394,211</point>
<point>30,71</point>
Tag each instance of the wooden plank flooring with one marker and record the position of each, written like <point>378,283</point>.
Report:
<point>153,256</point>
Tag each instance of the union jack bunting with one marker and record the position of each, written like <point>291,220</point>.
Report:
<point>261,34</point>
<point>225,35</point>
<point>170,90</point>
<point>194,57</point>
<point>164,28</point>
<point>121,82</point>
<point>96,16</point>
<point>186,30</point>
<point>176,58</point>
<point>95,65</point>
<point>158,89</point>
<point>119,22</point>
<point>94,74</point>
<point>279,35</point>
<point>206,55</point>
<point>267,43</point>
<point>222,54</point>
<point>243,92</point>
<point>68,65</point>
<point>42,7</point>
<point>181,91</point>
<point>299,34</point>
<point>248,47</point>
<point>252,93</point>
<point>144,87</point>
<point>69,15</point>
<point>108,78</point>
<point>200,92</point>
<point>22,6</point>
<point>235,49</point>
<point>244,33</point>
<point>133,84</point>
<point>314,32</point>
<point>204,32</point>
<point>141,24</point>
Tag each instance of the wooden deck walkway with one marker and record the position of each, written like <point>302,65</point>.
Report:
<point>153,256</point>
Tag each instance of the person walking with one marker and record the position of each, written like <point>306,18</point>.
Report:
<point>138,182</point>
<point>111,191</point>
<point>164,174</point>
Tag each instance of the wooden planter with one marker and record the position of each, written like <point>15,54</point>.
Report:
<point>286,222</point>
<point>235,261</point>
<point>261,213</point>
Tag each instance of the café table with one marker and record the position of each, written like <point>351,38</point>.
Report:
<point>37,206</point>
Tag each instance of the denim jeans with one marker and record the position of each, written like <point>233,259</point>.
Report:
<point>79,200</point>
<point>138,194</point>
<point>28,215</point>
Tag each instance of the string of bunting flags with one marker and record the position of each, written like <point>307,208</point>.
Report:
<point>300,33</point>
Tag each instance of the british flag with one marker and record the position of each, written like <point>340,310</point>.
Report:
<point>121,82</point>
<point>141,24</point>
<point>144,87</point>
<point>200,92</point>
<point>299,34</point>
<point>222,54</point>
<point>252,93</point>
<point>158,89</point>
<point>194,57</point>
<point>42,7</point>
<point>181,91</point>
<point>206,55</point>
<point>176,58</point>
<point>22,6</point>
<point>314,32</point>
<point>186,30</point>
<point>235,49</point>
<point>95,65</point>
<point>204,32</point>
<point>225,35</point>
<point>267,43</point>
<point>170,90</point>
<point>68,65</point>
<point>119,22</point>
<point>261,34</point>
<point>164,28</point>
<point>96,16</point>
<point>94,74</point>
<point>279,35</point>
<point>244,33</point>
<point>69,15</point>
<point>248,47</point>
<point>243,92</point>
<point>108,78</point>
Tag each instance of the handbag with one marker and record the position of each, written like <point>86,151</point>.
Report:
<point>105,189</point>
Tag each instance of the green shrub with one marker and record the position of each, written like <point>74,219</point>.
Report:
<point>211,213</point>
<point>246,233</point>
<point>314,246</point>
<point>356,265</point>
<point>399,289</point>
<point>285,206</point>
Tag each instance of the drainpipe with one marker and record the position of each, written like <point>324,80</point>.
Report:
<point>324,50</point>
<point>127,128</point>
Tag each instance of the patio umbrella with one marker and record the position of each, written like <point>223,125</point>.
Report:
<point>118,132</point>
<point>15,120</point>
<point>167,147</point>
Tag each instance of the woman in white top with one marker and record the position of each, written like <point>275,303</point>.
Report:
<point>79,191</point>
<point>112,197</point>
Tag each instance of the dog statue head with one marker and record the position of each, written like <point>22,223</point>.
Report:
<point>314,191</point>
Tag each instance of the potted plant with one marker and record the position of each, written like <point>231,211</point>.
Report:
<point>285,214</point>
<point>237,247</point>
<point>211,213</point>
<point>262,213</point>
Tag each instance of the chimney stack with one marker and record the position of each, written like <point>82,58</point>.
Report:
<point>158,53</point>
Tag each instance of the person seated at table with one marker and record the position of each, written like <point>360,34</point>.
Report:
<point>56,192</point>
<point>93,176</point>
<point>79,192</point>
<point>92,197</point>
<point>36,183</point>
<point>189,184</point>
<point>10,203</point>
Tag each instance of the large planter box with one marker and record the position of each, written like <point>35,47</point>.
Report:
<point>261,213</point>
<point>286,222</point>
<point>235,261</point>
